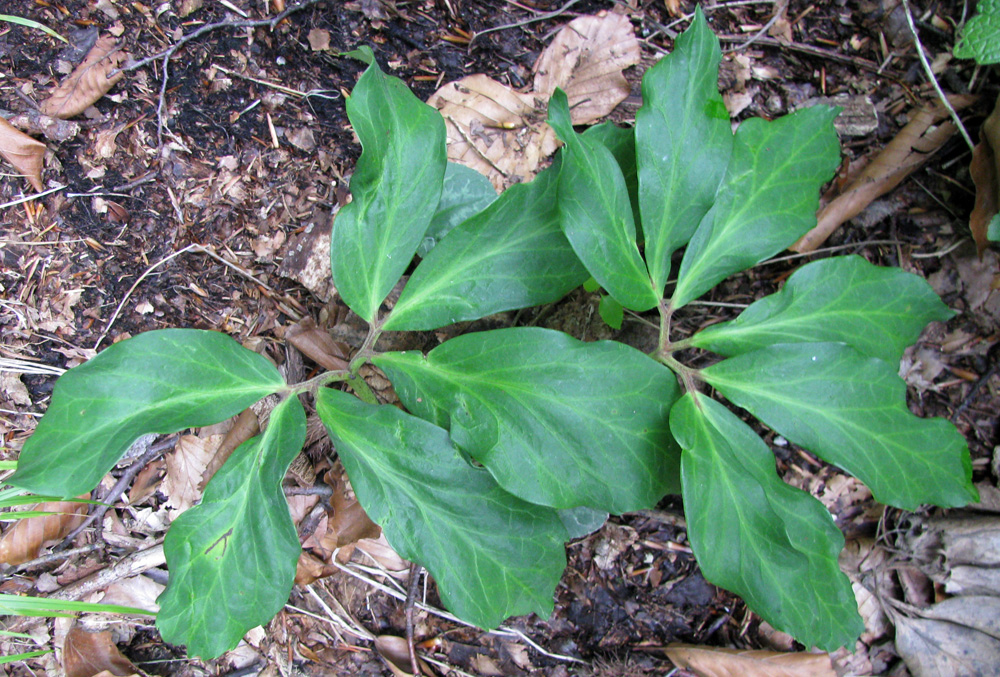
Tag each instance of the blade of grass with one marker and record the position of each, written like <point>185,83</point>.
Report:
<point>32,24</point>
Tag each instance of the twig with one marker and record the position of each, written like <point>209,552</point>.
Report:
<point>967,400</point>
<point>56,556</point>
<point>29,198</point>
<point>525,22</point>
<point>930,76</point>
<point>759,34</point>
<point>201,249</point>
<point>168,53</point>
<point>411,598</point>
<point>153,453</point>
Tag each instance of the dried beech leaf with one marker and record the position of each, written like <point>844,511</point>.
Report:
<point>985,171</point>
<point>586,60</point>
<point>493,129</point>
<point>913,146</point>
<point>23,152</point>
<point>25,540</point>
<point>88,82</point>
<point>318,345</point>
<point>185,466</point>
<point>707,661</point>
<point>246,426</point>
<point>932,648</point>
<point>396,654</point>
<point>350,522</point>
<point>502,134</point>
<point>87,654</point>
<point>310,568</point>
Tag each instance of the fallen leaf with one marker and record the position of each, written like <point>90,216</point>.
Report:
<point>87,83</point>
<point>932,648</point>
<point>319,40</point>
<point>139,592</point>
<point>25,540</point>
<point>310,568</point>
<point>147,481</point>
<point>23,152</point>
<point>396,654</point>
<point>246,426</point>
<point>586,60</point>
<point>912,147</point>
<point>87,654</point>
<point>185,466</point>
<point>707,661</point>
<point>985,171</point>
<point>502,134</point>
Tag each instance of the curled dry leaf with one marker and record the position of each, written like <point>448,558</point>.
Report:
<point>501,132</point>
<point>985,171</point>
<point>913,146</point>
<point>707,661</point>
<point>25,540</point>
<point>933,648</point>
<point>396,654</point>
<point>88,82</point>
<point>87,654</point>
<point>246,426</point>
<point>23,152</point>
<point>185,465</point>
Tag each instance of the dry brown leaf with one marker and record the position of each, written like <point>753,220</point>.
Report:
<point>707,661</point>
<point>88,82</point>
<point>586,60</point>
<point>913,146</point>
<point>185,466</point>
<point>318,345</point>
<point>87,654</point>
<point>246,426</point>
<point>501,132</point>
<point>25,540</point>
<point>932,648</point>
<point>23,152</point>
<point>985,171</point>
<point>396,654</point>
<point>147,481</point>
<point>310,568</point>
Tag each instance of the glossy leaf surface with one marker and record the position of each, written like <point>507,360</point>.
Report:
<point>395,188</point>
<point>550,415</point>
<point>232,557</point>
<point>465,192</point>
<point>596,213</point>
<point>877,311</point>
<point>683,140</point>
<point>773,545</point>
<point>158,382</point>
<point>851,411</point>
<point>511,255</point>
<point>492,554</point>
<point>621,142</point>
<point>767,200</point>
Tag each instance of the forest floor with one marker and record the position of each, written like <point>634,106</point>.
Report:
<point>243,150</point>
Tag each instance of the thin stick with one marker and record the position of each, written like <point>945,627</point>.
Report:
<point>153,453</point>
<point>525,22</point>
<point>29,198</point>
<point>930,76</point>
<point>411,598</point>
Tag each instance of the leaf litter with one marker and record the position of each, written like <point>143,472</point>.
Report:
<point>190,181</point>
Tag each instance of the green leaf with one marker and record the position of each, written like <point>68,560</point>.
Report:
<point>582,521</point>
<point>993,232</point>
<point>492,554</point>
<point>596,213</point>
<point>980,38</point>
<point>611,312</point>
<point>877,311</point>
<point>684,140</point>
<point>232,557</point>
<point>12,658</point>
<point>395,188</point>
<point>511,255</point>
<point>851,410</point>
<point>621,142</point>
<point>45,607</point>
<point>767,200</point>
<point>466,192</point>
<point>773,545</point>
<point>549,415</point>
<point>158,382</point>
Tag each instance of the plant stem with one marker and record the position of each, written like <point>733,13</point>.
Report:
<point>362,389</point>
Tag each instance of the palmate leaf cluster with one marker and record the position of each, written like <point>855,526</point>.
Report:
<point>515,440</point>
